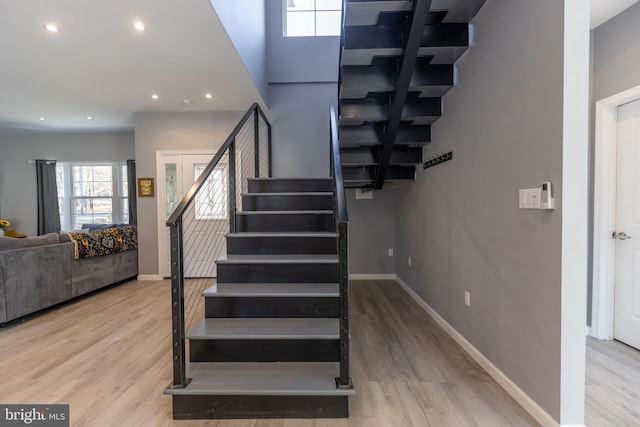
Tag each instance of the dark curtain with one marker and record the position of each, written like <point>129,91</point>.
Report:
<point>133,203</point>
<point>48,213</point>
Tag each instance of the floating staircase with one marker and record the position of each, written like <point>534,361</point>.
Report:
<point>269,345</point>
<point>397,62</point>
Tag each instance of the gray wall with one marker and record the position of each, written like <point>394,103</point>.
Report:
<point>460,221</point>
<point>302,74</point>
<point>245,25</point>
<point>372,232</point>
<point>616,54</point>
<point>18,178</point>
<point>170,131</point>
<point>299,116</point>
<point>298,59</point>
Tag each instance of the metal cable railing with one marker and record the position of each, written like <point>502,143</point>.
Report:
<point>341,217</point>
<point>208,212</point>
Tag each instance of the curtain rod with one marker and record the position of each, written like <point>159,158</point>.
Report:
<point>48,161</point>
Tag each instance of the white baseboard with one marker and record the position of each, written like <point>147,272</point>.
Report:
<point>509,386</point>
<point>149,277</point>
<point>372,277</point>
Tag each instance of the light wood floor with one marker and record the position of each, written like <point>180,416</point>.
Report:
<point>108,356</point>
<point>613,384</point>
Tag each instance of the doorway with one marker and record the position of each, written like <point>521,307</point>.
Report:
<point>205,223</point>
<point>606,249</point>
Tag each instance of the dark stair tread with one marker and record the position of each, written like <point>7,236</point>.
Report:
<point>248,290</point>
<point>266,328</point>
<point>280,234</point>
<point>262,378</point>
<point>311,212</point>
<point>291,193</point>
<point>278,259</point>
<point>290,178</point>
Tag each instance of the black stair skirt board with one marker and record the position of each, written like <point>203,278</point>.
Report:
<point>359,81</point>
<point>295,350</point>
<point>373,37</point>
<point>371,134</point>
<point>287,201</point>
<point>281,243</point>
<point>259,407</point>
<point>264,307</point>
<point>285,221</point>
<point>401,155</point>
<point>289,185</point>
<point>367,173</point>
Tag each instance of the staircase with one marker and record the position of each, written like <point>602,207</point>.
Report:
<point>397,62</point>
<point>274,342</point>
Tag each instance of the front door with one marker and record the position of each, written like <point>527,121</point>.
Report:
<point>627,233</point>
<point>204,223</point>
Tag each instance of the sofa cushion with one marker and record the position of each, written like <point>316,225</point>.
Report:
<point>105,242</point>
<point>7,243</point>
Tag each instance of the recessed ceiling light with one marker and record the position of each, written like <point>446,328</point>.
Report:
<point>52,28</point>
<point>154,96</point>
<point>89,118</point>
<point>139,25</point>
<point>208,96</point>
<point>41,118</point>
<point>187,101</point>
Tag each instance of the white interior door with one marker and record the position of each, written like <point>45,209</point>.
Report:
<point>627,281</point>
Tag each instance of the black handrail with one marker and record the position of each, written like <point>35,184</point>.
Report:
<point>176,230</point>
<point>189,197</point>
<point>342,223</point>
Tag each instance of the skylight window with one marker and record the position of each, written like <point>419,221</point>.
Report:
<point>310,18</point>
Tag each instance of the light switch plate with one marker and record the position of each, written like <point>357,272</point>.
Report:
<point>530,198</point>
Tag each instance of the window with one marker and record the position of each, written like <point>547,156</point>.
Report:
<point>92,193</point>
<point>313,18</point>
<point>211,200</point>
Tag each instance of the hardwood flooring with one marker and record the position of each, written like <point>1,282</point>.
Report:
<point>108,356</point>
<point>612,384</point>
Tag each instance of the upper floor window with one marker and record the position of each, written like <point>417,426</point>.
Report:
<point>305,18</point>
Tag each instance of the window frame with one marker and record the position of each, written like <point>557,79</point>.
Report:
<point>285,19</point>
<point>119,200</point>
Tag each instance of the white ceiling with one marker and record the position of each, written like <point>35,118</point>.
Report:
<point>603,10</point>
<point>99,66</point>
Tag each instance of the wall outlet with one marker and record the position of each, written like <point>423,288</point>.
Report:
<point>409,261</point>
<point>467,298</point>
<point>390,251</point>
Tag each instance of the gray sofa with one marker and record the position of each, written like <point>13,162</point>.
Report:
<point>38,272</point>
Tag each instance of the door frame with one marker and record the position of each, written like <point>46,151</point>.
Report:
<point>161,192</point>
<point>604,212</point>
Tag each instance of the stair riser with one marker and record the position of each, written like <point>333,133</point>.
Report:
<point>253,245</point>
<point>287,202</point>
<point>278,273</point>
<point>289,186</point>
<point>264,350</point>
<point>253,407</point>
<point>272,307</point>
<point>285,222</point>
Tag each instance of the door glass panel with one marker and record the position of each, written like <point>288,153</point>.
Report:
<point>170,174</point>
<point>211,200</point>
